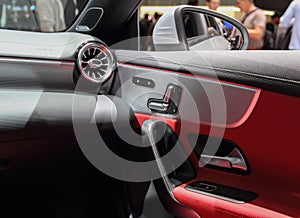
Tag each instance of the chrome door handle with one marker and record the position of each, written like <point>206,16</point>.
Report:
<point>159,106</point>
<point>234,160</point>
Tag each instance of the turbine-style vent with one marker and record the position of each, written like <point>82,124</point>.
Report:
<point>95,62</point>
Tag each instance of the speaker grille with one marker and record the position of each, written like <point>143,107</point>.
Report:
<point>90,19</point>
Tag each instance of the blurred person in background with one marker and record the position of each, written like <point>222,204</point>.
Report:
<point>50,15</point>
<point>193,2</point>
<point>144,30</point>
<point>255,22</point>
<point>291,18</point>
<point>188,23</point>
<point>213,4</point>
<point>273,25</point>
<point>271,32</point>
<point>149,41</point>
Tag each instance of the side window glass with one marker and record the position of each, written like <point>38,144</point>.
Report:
<point>39,15</point>
<point>18,15</point>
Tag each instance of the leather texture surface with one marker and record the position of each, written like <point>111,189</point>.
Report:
<point>269,141</point>
<point>209,207</point>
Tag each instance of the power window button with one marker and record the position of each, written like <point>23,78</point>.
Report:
<point>206,187</point>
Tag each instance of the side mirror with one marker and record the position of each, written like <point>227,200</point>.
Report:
<point>193,28</point>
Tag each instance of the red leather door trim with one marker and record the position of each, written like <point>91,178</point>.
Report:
<point>210,207</point>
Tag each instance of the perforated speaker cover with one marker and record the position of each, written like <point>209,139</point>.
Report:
<point>90,19</point>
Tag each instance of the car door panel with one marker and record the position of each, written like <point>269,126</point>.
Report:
<point>273,165</point>
<point>200,91</point>
<point>273,71</point>
<point>245,100</point>
<point>267,137</point>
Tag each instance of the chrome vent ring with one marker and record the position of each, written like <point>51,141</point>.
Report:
<point>95,62</point>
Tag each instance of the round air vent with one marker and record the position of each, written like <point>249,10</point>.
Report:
<point>95,62</point>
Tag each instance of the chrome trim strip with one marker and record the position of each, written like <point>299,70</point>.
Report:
<point>36,61</point>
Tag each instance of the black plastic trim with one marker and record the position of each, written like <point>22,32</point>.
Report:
<point>223,192</point>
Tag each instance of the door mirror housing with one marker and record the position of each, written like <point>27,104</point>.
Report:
<point>193,28</point>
